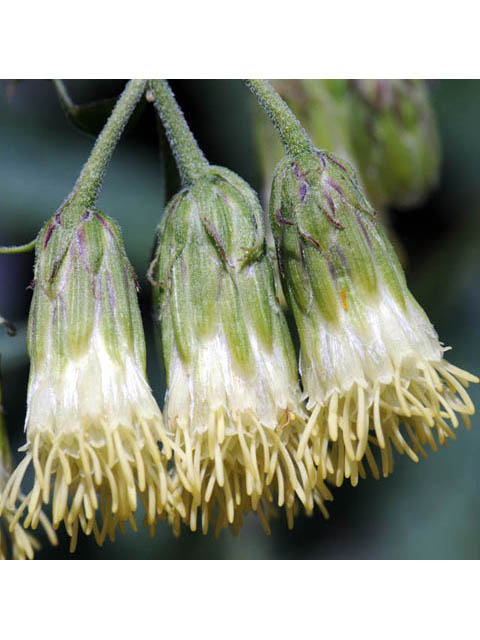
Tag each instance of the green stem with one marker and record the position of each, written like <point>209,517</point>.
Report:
<point>190,160</point>
<point>294,137</point>
<point>19,248</point>
<point>87,187</point>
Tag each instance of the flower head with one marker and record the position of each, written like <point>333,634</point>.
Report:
<point>92,424</point>
<point>232,404</point>
<point>371,363</point>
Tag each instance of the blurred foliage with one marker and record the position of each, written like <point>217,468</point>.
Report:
<point>425,510</point>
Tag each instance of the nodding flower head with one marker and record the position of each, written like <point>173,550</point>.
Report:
<point>232,403</point>
<point>93,427</point>
<point>371,363</point>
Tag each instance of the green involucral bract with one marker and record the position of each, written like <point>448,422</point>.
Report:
<point>232,404</point>
<point>370,359</point>
<point>209,272</point>
<point>329,237</point>
<point>84,285</point>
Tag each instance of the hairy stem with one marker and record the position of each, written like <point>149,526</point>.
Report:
<point>87,187</point>
<point>294,137</point>
<point>190,160</point>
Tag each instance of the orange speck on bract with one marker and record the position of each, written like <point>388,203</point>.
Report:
<point>343,293</point>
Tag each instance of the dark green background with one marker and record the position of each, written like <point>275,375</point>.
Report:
<point>425,510</point>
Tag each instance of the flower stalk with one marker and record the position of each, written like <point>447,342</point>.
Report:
<point>190,160</point>
<point>87,187</point>
<point>294,137</point>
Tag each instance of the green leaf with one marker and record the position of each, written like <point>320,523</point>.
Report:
<point>91,117</point>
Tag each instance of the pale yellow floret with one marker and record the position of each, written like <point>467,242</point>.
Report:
<point>85,479</point>
<point>96,444</point>
<point>237,466</point>
<point>15,542</point>
<point>418,407</point>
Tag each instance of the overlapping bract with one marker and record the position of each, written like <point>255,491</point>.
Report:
<point>371,363</point>
<point>232,404</point>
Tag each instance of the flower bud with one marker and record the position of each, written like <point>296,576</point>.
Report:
<point>371,363</point>
<point>394,140</point>
<point>232,403</point>
<point>92,424</point>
